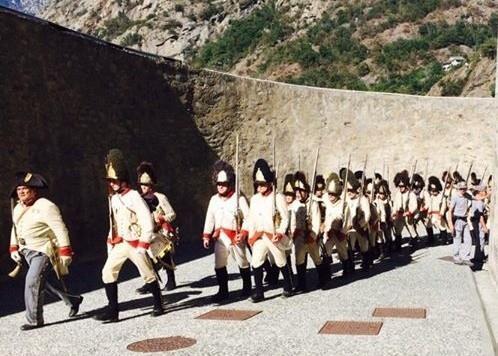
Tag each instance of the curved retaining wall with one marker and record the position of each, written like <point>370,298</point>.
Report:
<point>66,98</point>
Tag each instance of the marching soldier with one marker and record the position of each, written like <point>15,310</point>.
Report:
<point>41,237</point>
<point>267,224</point>
<point>374,223</point>
<point>415,208</point>
<point>358,217</point>
<point>334,233</point>
<point>435,205</point>
<point>304,228</point>
<point>447,177</point>
<point>383,207</point>
<point>163,215</point>
<point>401,210</point>
<point>319,197</point>
<point>223,216</point>
<point>459,227</point>
<point>130,234</point>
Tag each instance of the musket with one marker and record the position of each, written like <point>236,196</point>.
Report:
<point>363,176</point>
<point>313,182</point>
<point>276,215</point>
<point>468,173</point>
<point>426,168</point>
<point>452,184</point>
<point>413,173</point>
<point>15,272</point>
<point>238,219</point>
<point>445,183</point>
<point>344,191</point>
<point>483,174</point>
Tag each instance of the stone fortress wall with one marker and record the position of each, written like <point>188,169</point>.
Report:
<point>66,98</point>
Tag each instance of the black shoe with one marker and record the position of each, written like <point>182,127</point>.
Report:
<point>287,294</point>
<point>75,307</point>
<point>143,289</point>
<point>27,327</point>
<point>108,316</point>
<point>256,297</point>
<point>157,312</point>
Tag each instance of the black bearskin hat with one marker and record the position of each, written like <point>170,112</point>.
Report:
<point>401,177</point>
<point>433,183</point>
<point>383,187</point>
<point>146,174</point>
<point>353,182</point>
<point>300,181</point>
<point>223,173</point>
<point>457,177</point>
<point>262,172</point>
<point>115,166</point>
<point>289,184</point>
<point>417,181</point>
<point>319,183</point>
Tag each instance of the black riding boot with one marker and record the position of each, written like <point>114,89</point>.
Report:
<point>157,299</point>
<point>245,273</point>
<point>273,276</point>
<point>287,282</point>
<point>346,270</point>
<point>326,262</point>
<point>171,284</point>
<point>222,278</point>
<point>430,236</point>
<point>365,261</point>
<point>321,269</point>
<point>267,268</point>
<point>397,243</point>
<point>382,250</point>
<point>111,312</point>
<point>301,278</point>
<point>258,294</point>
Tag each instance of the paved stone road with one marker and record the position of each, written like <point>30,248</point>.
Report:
<point>455,323</point>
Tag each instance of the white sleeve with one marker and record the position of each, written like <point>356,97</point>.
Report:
<point>169,213</point>
<point>209,223</point>
<point>282,209</point>
<point>144,218</point>
<point>244,208</point>
<point>53,218</point>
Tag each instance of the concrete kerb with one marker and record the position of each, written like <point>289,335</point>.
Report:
<point>488,295</point>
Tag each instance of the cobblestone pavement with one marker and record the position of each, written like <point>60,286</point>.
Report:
<point>455,323</point>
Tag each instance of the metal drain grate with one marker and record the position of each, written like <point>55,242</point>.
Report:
<point>414,313</point>
<point>162,344</point>
<point>229,314</point>
<point>351,328</point>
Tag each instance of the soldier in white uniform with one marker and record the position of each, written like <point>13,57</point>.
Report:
<point>129,237</point>
<point>401,210</point>
<point>435,205</point>
<point>319,197</point>
<point>383,207</point>
<point>267,224</point>
<point>416,208</point>
<point>334,231</point>
<point>226,228</point>
<point>163,215</point>
<point>358,217</point>
<point>40,236</point>
<point>374,223</point>
<point>304,228</point>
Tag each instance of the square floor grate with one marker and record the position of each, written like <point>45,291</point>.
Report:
<point>229,314</point>
<point>414,313</point>
<point>351,328</point>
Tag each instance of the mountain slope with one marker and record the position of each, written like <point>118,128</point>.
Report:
<point>431,47</point>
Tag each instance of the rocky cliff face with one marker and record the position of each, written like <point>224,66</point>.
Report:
<point>369,45</point>
<point>32,7</point>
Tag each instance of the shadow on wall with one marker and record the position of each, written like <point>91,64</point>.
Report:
<point>66,99</point>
